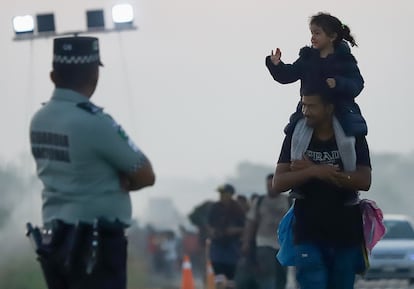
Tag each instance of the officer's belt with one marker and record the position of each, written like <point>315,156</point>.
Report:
<point>104,227</point>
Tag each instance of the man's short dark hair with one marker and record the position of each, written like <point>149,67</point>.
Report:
<point>74,76</point>
<point>226,188</point>
<point>321,89</point>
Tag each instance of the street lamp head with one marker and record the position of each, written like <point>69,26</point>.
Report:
<point>122,16</point>
<point>23,24</point>
<point>95,19</point>
<point>45,23</point>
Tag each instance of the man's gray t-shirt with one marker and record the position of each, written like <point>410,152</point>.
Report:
<point>271,212</point>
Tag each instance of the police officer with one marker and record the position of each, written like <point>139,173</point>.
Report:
<point>87,165</point>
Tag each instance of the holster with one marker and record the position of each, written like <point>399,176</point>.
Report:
<point>45,242</point>
<point>62,248</point>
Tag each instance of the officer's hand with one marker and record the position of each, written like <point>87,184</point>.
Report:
<point>331,82</point>
<point>275,56</point>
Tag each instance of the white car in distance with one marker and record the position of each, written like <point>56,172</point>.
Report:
<point>393,256</point>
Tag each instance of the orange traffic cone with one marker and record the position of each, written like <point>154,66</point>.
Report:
<point>187,281</point>
<point>210,278</point>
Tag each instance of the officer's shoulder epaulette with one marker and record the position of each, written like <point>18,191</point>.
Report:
<point>89,107</point>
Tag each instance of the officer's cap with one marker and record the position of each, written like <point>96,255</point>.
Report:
<point>76,51</point>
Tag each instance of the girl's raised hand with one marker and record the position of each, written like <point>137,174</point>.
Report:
<point>275,56</point>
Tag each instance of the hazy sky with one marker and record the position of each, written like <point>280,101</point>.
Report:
<point>190,86</point>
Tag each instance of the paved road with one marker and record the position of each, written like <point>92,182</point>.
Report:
<point>380,284</point>
<point>363,284</point>
<point>383,284</point>
<point>163,283</point>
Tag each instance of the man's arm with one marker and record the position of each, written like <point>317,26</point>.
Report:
<point>141,178</point>
<point>301,171</point>
<point>288,174</point>
<point>287,178</point>
<point>284,73</point>
<point>113,145</point>
<point>359,180</point>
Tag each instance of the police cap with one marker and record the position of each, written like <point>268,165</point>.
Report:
<point>76,51</point>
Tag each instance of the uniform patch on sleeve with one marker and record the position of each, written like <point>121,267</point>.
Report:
<point>122,133</point>
<point>89,107</point>
<point>124,136</point>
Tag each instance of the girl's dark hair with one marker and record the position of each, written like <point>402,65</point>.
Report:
<point>330,25</point>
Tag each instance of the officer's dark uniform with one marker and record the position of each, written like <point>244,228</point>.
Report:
<point>80,152</point>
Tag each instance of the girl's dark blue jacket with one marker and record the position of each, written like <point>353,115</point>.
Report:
<point>310,68</point>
